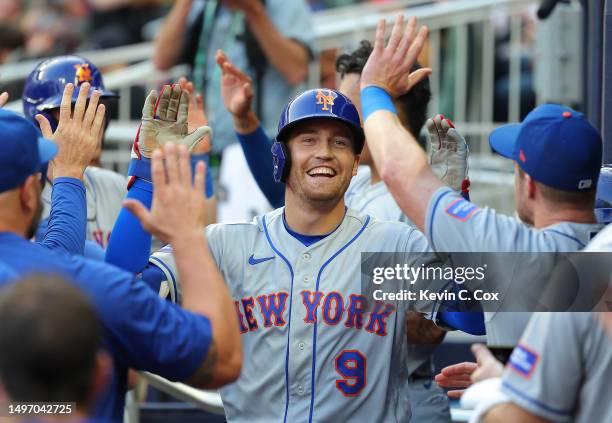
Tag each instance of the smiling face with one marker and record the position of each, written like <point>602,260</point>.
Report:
<point>323,161</point>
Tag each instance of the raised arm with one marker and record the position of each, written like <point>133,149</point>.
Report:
<point>166,120</point>
<point>402,164</point>
<point>288,56</point>
<point>77,135</point>
<point>170,39</point>
<point>177,217</point>
<point>237,92</point>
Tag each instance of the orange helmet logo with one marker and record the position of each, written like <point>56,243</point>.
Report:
<point>325,99</point>
<point>82,74</point>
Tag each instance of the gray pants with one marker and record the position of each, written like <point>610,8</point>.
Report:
<point>428,402</point>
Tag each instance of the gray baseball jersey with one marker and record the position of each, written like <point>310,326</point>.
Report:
<point>373,199</point>
<point>105,191</point>
<point>315,348</point>
<point>454,224</point>
<point>561,369</point>
<point>429,402</point>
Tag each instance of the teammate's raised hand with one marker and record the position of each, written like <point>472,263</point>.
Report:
<point>236,87</point>
<point>78,134</point>
<point>196,116</point>
<point>165,120</point>
<point>177,210</point>
<point>3,98</point>
<point>448,153</point>
<point>388,67</point>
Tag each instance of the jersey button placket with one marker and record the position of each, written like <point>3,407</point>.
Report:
<point>306,257</point>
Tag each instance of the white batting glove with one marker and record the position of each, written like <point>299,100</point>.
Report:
<point>448,154</point>
<point>166,121</point>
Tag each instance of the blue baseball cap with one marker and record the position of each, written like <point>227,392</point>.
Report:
<point>23,151</point>
<point>555,145</point>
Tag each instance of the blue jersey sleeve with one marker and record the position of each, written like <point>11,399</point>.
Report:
<point>129,245</point>
<point>256,147</point>
<point>147,332</point>
<point>153,277</point>
<point>67,221</point>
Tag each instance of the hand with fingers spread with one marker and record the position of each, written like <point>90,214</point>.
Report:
<point>236,87</point>
<point>164,120</point>
<point>4,97</point>
<point>448,154</point>
<point>389,67</point>
<point>78,133</point>
<point>196,117</point>
<point>177,211</point>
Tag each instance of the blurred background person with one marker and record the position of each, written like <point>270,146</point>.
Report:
<point>271,41</point>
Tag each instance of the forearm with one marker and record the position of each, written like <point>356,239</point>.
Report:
<point>421,331</point>
<point>68,218</point>
<point>129,245</point>
<point>289,57</point>
<point>256,147</point>
<point>511,413</point>
<point>205,292</point>
<point>169,40</point>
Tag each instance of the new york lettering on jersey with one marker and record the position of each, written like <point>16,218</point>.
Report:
<point>315,345</point>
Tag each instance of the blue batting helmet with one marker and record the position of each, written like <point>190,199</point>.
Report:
<point>44,87</point>
<point>603,201</point>
<point>313,104</point>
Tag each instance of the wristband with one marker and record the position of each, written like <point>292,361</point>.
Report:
<point>373,99</point>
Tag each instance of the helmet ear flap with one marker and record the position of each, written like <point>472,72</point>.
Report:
<point>282,161</point>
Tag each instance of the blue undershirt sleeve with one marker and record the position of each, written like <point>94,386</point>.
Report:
<point>256,147</point>
<point>67,221</point>
<point>129,245</point>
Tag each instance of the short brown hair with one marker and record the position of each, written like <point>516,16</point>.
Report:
<point>581,199</point>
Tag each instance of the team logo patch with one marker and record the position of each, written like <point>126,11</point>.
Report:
<point>523,361</point>
<point>326,99</point>
<point>462,209</point>
<point>82,74</point>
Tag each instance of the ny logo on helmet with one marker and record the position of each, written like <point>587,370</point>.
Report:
<point>325,99</point>
<point>82,74</point>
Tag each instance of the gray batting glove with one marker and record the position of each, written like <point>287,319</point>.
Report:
<point>448,154</point>
<point>165,121</point>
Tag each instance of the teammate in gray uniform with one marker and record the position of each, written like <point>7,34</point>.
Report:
<point>105,189</point>
<point>535,389</point>
<point>557,154</point>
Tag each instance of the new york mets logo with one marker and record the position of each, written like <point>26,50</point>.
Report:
<point>325,99</point>
<point>82,74</point>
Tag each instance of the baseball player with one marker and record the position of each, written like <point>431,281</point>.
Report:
<point>367,193</point>
<point>294,274</point>
<point>534,390</point>
<point>42,95</point>
<point>554,186</point>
